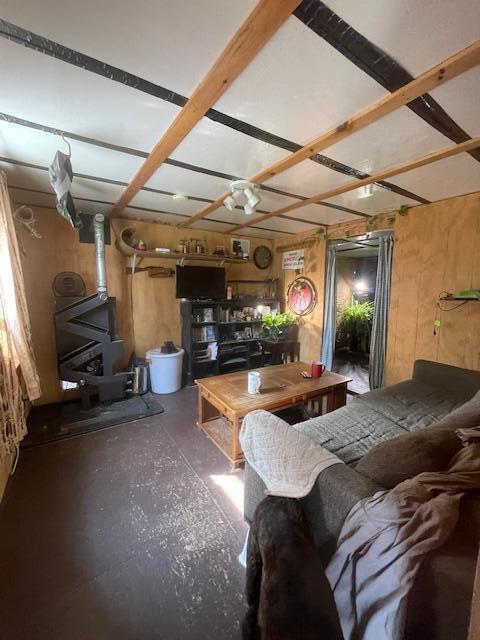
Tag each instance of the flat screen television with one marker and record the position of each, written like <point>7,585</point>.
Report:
<point>200,282</point>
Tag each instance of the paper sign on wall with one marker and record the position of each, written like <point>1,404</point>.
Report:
<point>293,259</point>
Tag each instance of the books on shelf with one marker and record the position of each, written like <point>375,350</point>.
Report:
<point>203,334</point>
<point>204,355</point>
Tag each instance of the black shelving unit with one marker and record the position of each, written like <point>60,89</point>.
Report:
<point>233,354</point>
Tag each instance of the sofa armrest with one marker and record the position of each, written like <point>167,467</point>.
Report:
<point>336,490</point>
<point>254,492</point>
<point>461,382</point>
<point>334,493</point>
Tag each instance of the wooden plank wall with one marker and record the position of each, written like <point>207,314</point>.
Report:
<point>156,312</point>
<point>437,248</point>
<point>310,325</point>
<point>59,250</point>
<point>147,310</point>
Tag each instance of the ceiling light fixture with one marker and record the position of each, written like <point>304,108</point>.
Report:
<point>243,193</point>
<point>252,197</point>
<point>360,286</point>
<point>230,203</point>
<point>367,190</point>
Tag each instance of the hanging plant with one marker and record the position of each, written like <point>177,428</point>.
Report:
<point>355,324</point>
<point>321,233</point>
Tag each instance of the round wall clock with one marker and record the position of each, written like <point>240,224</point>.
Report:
<point>301,296</point>
<point>262,256</point>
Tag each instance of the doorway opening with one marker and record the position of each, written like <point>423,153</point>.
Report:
<point>356,272</point>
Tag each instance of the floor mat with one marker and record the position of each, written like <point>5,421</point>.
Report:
<point>49,423</point>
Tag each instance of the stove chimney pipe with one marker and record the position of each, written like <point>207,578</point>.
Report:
<point>98,222</point>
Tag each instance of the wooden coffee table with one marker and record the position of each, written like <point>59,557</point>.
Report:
<point>223,400</point>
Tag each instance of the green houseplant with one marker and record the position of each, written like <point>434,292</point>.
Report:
<point>277,326</point>
<point>355,325</point>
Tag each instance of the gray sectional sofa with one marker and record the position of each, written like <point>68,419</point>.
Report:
<point>385,436</point>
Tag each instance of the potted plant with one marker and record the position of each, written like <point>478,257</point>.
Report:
<point>355,325</point>
<point>278,326</point>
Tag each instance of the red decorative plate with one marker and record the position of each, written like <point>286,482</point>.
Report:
<point>301,296</point>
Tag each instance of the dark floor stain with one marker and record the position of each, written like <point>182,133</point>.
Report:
<point>123,534</point>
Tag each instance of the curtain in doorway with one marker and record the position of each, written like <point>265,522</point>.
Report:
<point>330,310</point>
<point>378,343</point>
<point>16,351</point>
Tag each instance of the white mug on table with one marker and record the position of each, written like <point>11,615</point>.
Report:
<point>254,382</point>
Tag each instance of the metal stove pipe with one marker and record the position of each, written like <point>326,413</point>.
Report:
<point>98,229</point>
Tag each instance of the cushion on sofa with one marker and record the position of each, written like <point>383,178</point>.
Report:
<point>351,431</point>
<point>413,404</point>
<point>464,417</point>
<point>405,456</point>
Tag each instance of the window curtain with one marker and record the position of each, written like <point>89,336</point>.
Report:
<point>378,343</point>
<point>330,310</point>
<point>17,361</point>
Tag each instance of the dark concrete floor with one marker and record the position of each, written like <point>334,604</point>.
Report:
<point>123,534</point>
<point>353,365</point>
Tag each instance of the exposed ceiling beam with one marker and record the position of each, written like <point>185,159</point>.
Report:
<point>439,74</point>
<point>11,119</point>
<point>250,38</point>
<point>130,206</point>
<point>43,45</point>
<point>378,64</point>
<point>435,156</point>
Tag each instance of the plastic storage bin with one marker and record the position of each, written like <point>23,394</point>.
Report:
<point>165,370</point>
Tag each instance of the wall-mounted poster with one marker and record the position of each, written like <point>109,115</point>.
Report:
<point>240,248</point>
<point>293,259</point>
<point>301,296</point>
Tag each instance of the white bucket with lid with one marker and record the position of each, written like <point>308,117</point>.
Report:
<point>165,370</point>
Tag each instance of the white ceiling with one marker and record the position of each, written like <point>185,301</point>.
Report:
<point>173,44</point>
<point>418,35</point>
<point>297,87</point>
<point>460,98</point>
<point>381,201</point>
<point>372,148</point>
<point>292,87</point>
<point>444,179</point>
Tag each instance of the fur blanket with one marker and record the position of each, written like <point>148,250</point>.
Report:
<point>288,595</point>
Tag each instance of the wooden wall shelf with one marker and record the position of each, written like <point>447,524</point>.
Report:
<point>174,255</point>
<point>127,250</point>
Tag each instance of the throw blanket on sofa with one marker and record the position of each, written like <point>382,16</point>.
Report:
<point>384,540</point>
<point>286,460</point>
